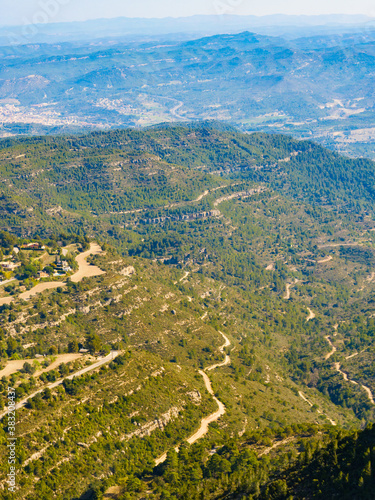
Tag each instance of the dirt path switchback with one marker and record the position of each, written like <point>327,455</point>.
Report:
<point>206,421</point>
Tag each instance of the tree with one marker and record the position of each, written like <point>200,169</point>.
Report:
<point>49,270</point>
<point>63,369</point>
<point>28,368</point>
<point>93,343</point>
<point>106,349</point>
<point>73,346</point>
<point>218,465</point>
<point>29,271</point>
<point>36,402</point>
<point>277,490</point>
<point>53,350</point>
<point>47,393</point>
<point>7,240</point>
<point>134,484</point>
<point>95,491</point>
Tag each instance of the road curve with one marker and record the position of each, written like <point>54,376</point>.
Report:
<point>337,367</point>
<point>318,411</point>
<point>223,363</point>
<point>111,355</point>
<point>206,421</point>
<point>85,270</point>
<point>203,429</point>
<point>311,315</point>
<point>288,287</point>
<point>333,350</point>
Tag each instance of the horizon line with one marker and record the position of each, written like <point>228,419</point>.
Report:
<point>220,16</point>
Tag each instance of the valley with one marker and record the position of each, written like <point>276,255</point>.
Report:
<point>216,299</point>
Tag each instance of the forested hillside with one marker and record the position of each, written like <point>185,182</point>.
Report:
<point>187,287</point>
<point>131,175</point>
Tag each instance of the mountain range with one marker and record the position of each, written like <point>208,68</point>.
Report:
<point>317,87</point>
<point>199,25</point>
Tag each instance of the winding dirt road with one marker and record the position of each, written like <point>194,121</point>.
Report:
<point>301,395</point>
<point>345,376</point>
<point>327,356</point>
<point>288,287</point>
<point>201,196</point>
<point>6,300</point>
<point>369,393</point>
<point>85,270</point>
<point>232,196</point>
<point>326,259</point>
<point>41,287</point>
<point>15,365</point>
<point>227,358</point>
<point>352,355</point>
<point>174,110</point>
<point>333,245</point>
<point>203,429</point>
<point>311,315</point>
<point>184,276</point>
<point>337,367</point>
<point>107,359</point>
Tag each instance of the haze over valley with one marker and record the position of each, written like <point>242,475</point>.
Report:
<point>317,87</point>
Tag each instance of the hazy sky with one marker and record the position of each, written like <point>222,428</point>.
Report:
<point>31,11</point>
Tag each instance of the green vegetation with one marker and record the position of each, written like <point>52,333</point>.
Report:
<point>203,233</point>
<point>336,465</point>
